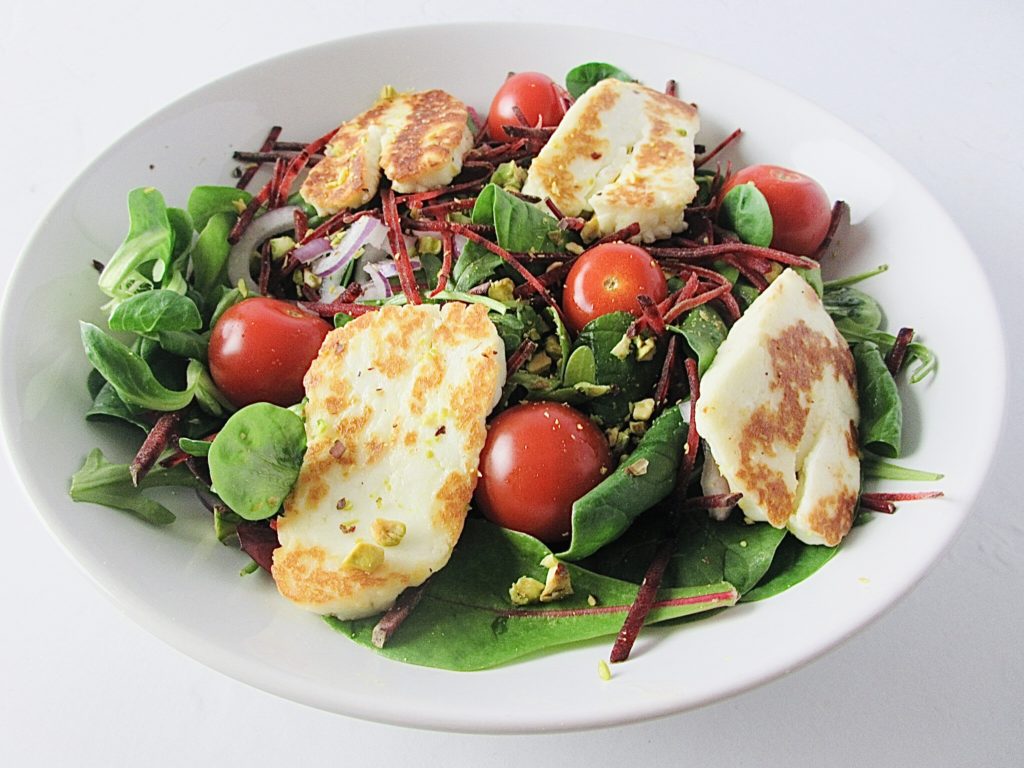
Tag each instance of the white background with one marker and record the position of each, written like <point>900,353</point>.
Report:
<point>939,681</point>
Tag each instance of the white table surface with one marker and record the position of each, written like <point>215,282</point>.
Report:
<point>937,681</point>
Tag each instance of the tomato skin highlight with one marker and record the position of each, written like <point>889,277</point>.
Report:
<point>538,459</point>
<point>534,93</point>
<point>608,278</point>
<point>261,348</point>
<point>801,210</point>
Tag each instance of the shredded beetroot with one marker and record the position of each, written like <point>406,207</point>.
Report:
<point>448,257</point>
<point>564,97</point>
<point>836,229</point>
<point>519,357</point>
<point>877,505</point>
<point>334,307</point>
<point>263,283</point>
<point>661,390</point>
<point>432,225</point>
<point>258,541</point>
<point>692,438</point>
<point>246,217</point>
<point>623,234</point>
<point>441,209</point>
<point>754,276</point>
<point>726,142</point>
<point>405,272</point>
<point>651,316</point>
<point>267,146</point>
<point>718,292</point>
<point>395,615</point>
<point>908,496</point>
<point>714,501</point>
<point>701,253</point>
<point>294,168</point>
<point>555,275</point>
<point>337,221</point>
<point>672,89</point>
<point>598,610</point>
<point>301,223</point>
<point>643,603</point>
<point>555,210</point>
<point>898,353</point>
<point>156,442</point>
<point>416,199</point>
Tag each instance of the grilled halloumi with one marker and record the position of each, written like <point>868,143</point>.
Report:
<point>778,410</point>
<point>417,139</point>
<point>395,422</point>
<point>625,152</point>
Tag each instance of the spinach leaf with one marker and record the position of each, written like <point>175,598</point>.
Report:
<point>152,311</point>
<point>704,331</point>
<point>210,257</point>
<point>580,79</point>
<point>881,412</point>
<point>207,201</point>
<point>194,447</point>
<point>812,276</point>
<point>632,379</point>
<point>927,361</point>
<point>513,328</point>
<point>745,211</point>
<point>580,367</point>
<point>549,389</point>
<point>605,512</point>
<point>848,305</point>
<point>101,482</point>
<point>129,374</point>
<point>255,459</point>
<point>466,621</point>
<point>149,244</point>
<point>794,561</point>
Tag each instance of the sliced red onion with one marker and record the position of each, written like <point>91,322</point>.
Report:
<point>271,223</point>
<point>379,287</point>
<point>390,268</point>
<point>364,232</point>
<point>306,252</point>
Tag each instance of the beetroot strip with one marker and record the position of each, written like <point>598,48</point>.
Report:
<point>886,507</point>
<point>268,144</point>
<point>156,442</point>
<point>718,250</point>
<point>714,501</point>
<point>840,214</point>
<point>396,615</point>
<point>906,496</point>
<point>643,603</point>
<point>245,217</point>
<point>447,260</point>
<point>698,162</point>
<point>519,357</point>
<point>597,610</point>
<point>692,438</point>
<point>665,379</point>
<point>651,316</point>
<point>405,272</point>
<point>618,235</point>
<point>898,353</point>
<point>695,301</point>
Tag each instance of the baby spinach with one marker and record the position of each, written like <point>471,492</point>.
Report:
<point>847,305</point>
<point>102,482</point>
<point>704,331</point>
<point>582,78</point>
<point>255,459</point>
<point>153,311</point>
<point>466,621</point>
<point>605,512</point>
<point>927,361</point>
<point>881,412</point>
<point>207,201</point>
<point>794,561</point>
<point>745,211</point>
<point>129,374</point>
<point>148,246</point>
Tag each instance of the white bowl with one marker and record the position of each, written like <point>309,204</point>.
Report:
<point>184,587</point>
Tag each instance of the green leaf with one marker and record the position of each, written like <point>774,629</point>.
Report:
<point>704,331</point>
<point>580,367</point>
<point>580,79</point>
<point>607,511</point>
<point>129,374</point>
<point>181,229</point>
<point>255,459</point>
<point>194,447</point>
<point>881,412</point>
<point>184,344</point>
<point>149,244</point>
<point>101,482</point>
<point>466,621</point>
<point>207,201</point>
<point>107,405</point>
<point>152,311</point>
<point>927,361</point>
<point>210,257</point>
<point>876,468</point>
<point>794,561</point>
<point>745,211</point>
<point>812,276</point>
<point>849,305</point>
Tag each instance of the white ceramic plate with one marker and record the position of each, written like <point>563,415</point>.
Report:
<point>184,587</point>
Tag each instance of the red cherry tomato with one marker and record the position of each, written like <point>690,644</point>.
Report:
<point>608,278</point>
<point>535,94</point>
<point>538,459</point>
<point>261,348</point>
<point>801,211</point>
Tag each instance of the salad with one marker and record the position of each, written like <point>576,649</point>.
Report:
<point>598,499</point>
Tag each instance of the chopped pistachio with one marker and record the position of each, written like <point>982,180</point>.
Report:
<point>591,230</point>
<point>549,561</point>
<point>388,92</point>
<point>539,363</point>
<point>279,246</point>
<point>604,670</point>
<point>239,205</point>
<point>645,349</point>
<point>348,526</point>
<point>364,557</point>
<point>387,533</point>
<point>501,290</point>
<point>553,266</point>
<point>591,601</point>
<point>313,281</point>
<point>773,271</point>
<point>574,248</point>
<point>643,409</point>
<point>557,585</point>
<point>553,347</point>
<point>621,350</point>
<point>526,590</point>
<point>251,567</point>
<point>509,176</point>
<point>637,427</point>
<point>637,468</point>
<point>428,244</point>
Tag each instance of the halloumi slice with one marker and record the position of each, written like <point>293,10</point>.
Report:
<point>625,152</point>
<point>395,422</point>
<point>778,410</point>
<point>417,139</point>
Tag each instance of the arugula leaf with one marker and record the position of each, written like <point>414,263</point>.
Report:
<point>129,374</point>
<point>102,482</point>
<point>152,311</point>
<point>207,201</point>
<point>255,459</point>
<point>704,331</point>
<point>466,621</point>
<point>582,78</point>
<point>881,412</point>
<point>605,512</point>
<point>745,211</point>
<point>149,244</point>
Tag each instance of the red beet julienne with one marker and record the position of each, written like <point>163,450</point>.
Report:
<point>664,384</point>
<point>405,272</point>
<point>267,146</point>
<point>599,610</point>
<point>898,353</point>
<point>726,142</point>
<point>692,438</point>
<point>447,261</point>
<point>707,253</point>
<point>885,502</point>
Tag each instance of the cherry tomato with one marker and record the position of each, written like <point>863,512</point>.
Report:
<point>801,211</point>
<point>538,459</point>
<point>535,94</point>
<point>608,278</point>
<point>261,348</point>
